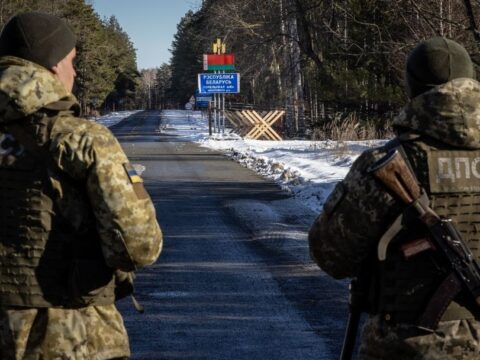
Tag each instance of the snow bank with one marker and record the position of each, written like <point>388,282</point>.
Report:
<point>114,117</point>
<point>307,169</point>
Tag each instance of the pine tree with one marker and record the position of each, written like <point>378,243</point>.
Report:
<point>186,60</point>
<point>123,60</point>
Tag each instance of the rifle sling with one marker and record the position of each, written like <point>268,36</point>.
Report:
<point>441,299</point>
<point>350,335</point>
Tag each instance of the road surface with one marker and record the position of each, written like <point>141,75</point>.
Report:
<point>214,293</point>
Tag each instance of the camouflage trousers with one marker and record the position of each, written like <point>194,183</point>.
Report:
<point>453,340</point>
<point>91,333</point>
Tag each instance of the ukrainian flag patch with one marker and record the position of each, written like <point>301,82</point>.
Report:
<point>132,174</point>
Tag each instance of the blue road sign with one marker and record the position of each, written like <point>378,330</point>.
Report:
<point>219,83</point>
<point>202,100</point>
<point>202,104</point>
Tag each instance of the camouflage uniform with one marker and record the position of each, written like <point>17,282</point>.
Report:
<point>92,196</point>
<point>439,132</point>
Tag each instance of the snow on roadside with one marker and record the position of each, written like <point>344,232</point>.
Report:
<point>113,118</point>
<point>307,169</point>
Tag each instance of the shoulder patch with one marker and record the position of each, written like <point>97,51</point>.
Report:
<point>132,174</point>
<point>137,181</point>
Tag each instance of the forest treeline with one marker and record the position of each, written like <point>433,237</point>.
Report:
<point>321,60</point>
<point>326,62</point>
<point>107,75</point>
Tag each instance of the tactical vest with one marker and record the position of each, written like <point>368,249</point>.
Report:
<point>451,178</point>
<point>46,259</point>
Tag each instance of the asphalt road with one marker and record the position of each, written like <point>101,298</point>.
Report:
<point>215,294</point>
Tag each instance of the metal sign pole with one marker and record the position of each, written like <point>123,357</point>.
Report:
<point>223,112</point>
<point>215,103</point>
<point>219,113</point>
<point>224,83</point>
<point>210,118</point>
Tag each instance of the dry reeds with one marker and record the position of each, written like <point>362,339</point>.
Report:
<point>349,128</point>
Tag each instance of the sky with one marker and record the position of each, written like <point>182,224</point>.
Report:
<point>150,24</point>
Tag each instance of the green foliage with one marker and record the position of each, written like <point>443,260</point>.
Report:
<point>352,52</point>
<point>95,75</point>
<point>318,58</point>
<point>163,85</point>
<point>186,60</point>
<point>123,58</point>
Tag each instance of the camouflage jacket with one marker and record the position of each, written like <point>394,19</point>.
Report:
<point>125,219</point>
<point>359,211</point>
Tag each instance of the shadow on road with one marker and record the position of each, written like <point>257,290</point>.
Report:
<point>217,292</point>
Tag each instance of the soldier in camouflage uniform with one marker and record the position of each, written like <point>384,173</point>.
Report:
<point>439,131</point>
<point>73,212</point>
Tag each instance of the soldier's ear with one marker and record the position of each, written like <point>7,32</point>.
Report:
<point>54,69</point>
<point>57,68</point>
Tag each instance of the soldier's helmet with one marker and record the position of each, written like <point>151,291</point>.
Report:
<point>434,62</point>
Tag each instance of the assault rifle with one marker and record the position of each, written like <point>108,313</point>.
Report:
<point>461,267</point>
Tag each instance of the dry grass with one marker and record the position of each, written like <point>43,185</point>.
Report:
<point>345,128</point>
<point>348,128</point>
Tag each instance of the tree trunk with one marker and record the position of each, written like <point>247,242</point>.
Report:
<point>471,18</point>
<point>295,119</point>
<point>440,4</point>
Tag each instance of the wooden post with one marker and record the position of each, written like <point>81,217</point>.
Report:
<point>210,118</point>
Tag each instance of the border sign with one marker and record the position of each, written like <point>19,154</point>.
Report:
<point>202,100</point>
<point>215,62</point>
<point>219,83</point>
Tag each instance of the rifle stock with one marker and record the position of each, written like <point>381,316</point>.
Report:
<point>394,173</point>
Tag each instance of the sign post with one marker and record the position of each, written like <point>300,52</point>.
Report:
<point>210,120</point>
<point>189,108</point>
<point>202,101</point>
<point>215,106</point>
<point>218,83</point>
